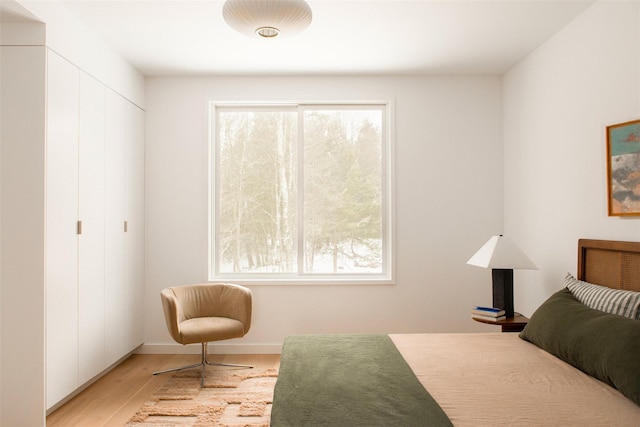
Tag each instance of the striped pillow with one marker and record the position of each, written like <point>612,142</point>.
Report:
<point>614,301</point>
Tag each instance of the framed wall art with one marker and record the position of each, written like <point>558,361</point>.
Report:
<point>623,168</point>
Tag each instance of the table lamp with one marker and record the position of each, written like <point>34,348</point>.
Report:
<point>502,256</point>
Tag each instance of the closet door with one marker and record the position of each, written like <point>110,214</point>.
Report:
<point>114,228</point>
<point>91,242</point>
<point>61,228</point>
<point>134,237</point>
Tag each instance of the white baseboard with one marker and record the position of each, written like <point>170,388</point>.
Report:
<point>214,348</point>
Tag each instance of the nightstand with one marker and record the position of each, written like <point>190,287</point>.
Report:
<point>510,324</point>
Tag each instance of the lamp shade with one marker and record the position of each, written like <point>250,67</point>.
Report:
<point>267,18</point>
<point>501,253</point>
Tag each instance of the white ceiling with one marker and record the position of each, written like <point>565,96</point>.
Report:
<point>187,37</point>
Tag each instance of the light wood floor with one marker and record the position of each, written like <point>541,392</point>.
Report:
<point>115,397</point>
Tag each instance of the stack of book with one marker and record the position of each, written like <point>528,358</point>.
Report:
<point>488,314</point>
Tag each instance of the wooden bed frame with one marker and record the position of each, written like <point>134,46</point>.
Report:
<point>609,263</point>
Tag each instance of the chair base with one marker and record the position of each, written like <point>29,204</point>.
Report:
<point>202,364</point>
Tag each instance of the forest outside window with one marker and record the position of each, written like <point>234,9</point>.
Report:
<point>301,193</point>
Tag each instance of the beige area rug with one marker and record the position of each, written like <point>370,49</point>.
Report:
<point>231,397</point>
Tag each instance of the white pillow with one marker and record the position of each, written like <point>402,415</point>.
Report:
<point>615,301</point>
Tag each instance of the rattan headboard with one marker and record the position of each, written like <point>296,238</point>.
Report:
<point>609,263</point>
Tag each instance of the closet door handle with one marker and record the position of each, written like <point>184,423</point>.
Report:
<point>79,227</point>
<point>126,226</point>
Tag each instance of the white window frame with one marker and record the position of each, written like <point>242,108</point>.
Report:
<point>387,277</point>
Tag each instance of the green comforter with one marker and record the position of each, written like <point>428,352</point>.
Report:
<point>349,380</point>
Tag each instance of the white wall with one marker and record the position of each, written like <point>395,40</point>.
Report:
<point>22,302</point>
<point>557,103</point>
<point>73,40</point>
<point>448,146</point>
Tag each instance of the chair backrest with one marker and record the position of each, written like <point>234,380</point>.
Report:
<point>205,300</point>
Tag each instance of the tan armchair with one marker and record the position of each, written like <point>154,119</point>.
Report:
<point>204,313</point>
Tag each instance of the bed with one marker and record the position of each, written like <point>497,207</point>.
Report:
<point>576,363</point>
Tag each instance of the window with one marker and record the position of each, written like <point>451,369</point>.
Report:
<point>301,193</point>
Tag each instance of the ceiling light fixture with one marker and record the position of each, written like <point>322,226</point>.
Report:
<point>267,18</point>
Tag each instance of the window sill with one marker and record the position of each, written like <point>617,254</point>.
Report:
<point>298,281</point>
